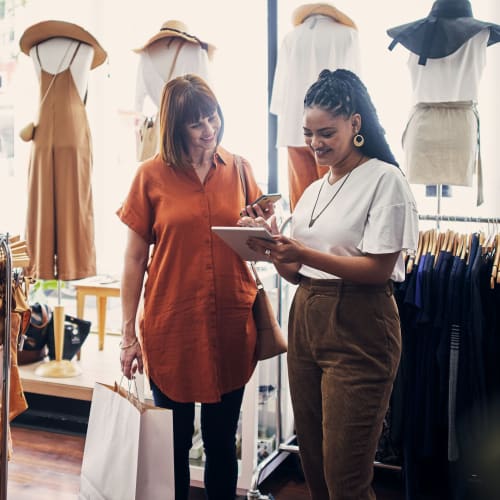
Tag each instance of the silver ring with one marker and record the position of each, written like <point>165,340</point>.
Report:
<point>267,251</point>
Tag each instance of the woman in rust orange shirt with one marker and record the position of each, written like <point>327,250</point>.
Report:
<point>196,334</point>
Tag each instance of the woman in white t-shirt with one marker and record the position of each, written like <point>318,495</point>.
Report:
<point>349,230</point>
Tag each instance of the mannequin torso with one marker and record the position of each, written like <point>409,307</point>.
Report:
<point>458,74</point>
<point>55,54</point>
<point>158,64</point>
<point>317,43</point>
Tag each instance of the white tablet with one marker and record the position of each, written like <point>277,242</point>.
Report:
<point>236,238</point>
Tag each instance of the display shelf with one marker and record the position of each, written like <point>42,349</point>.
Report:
<point>96,366</point>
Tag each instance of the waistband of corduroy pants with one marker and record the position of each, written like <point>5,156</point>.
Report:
<point>344,286</point>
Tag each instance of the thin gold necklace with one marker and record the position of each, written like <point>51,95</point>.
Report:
<point>314,219</point>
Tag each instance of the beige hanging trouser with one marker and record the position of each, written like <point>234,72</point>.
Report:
<point>302,171</point>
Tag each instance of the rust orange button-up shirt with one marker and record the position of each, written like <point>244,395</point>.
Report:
<point>197,331</point>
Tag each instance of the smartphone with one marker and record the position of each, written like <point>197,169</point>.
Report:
<point>265,198</point>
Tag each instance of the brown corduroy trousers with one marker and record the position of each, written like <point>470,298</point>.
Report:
<point>343,354</point>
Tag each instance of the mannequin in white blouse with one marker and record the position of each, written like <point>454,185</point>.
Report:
<point>156,67</point>
<point>169,53</point>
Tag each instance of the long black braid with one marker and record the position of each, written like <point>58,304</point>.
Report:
<point>341,92</point>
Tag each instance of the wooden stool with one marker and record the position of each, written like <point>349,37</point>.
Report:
<point>101,291</point>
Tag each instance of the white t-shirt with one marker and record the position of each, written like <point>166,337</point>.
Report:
<point>452,78</point>
<point>155,65</point>
<point>318,43</point>
<point>375,212</point>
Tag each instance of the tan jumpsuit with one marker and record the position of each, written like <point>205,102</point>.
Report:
<point>60,219</point>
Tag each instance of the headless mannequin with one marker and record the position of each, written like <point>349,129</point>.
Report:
<point>63,161</point>
<point>155,67</point>
<point>159,63</point>
<point>318,42</point>
<point>55,55</point>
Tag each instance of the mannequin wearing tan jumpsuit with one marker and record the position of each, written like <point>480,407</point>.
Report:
<point>60,221</point>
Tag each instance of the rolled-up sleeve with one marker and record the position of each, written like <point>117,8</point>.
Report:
<point>136,211</point>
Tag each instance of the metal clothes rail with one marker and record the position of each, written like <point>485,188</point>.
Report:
<point>460,218</point>
<point>4,245</point>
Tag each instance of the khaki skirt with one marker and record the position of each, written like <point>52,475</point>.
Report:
<point>441,143</point>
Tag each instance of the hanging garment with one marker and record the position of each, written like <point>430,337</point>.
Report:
<point>302,171</point>
<point>318,41</point>
<point>458,74</point>
<point>60,220</point>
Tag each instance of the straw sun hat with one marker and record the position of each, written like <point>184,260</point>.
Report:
<point>52,29</point>
<point>301,13</point>
<point>177,29</point>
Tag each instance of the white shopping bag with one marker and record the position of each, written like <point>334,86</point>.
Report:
<point>128,452</point>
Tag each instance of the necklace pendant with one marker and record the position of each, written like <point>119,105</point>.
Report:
<point>313,219</point>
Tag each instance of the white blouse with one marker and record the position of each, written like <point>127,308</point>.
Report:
<point>452,78</point>
<point>316,44</point>
<point>374,212</point>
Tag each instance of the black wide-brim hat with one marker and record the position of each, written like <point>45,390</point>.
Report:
<point>447,27</point>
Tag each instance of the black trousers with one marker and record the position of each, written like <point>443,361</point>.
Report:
<point>219,422</point>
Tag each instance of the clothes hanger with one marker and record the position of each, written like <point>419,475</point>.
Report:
<point>440,244</point>
<point>495,275</point>
<point>451,242</point>
<point>458,243</point>
<point>413,259</point>
<point>497,256</point>
<point>425,242</point>
<point>465,247</point>
<point>434,242</point>
<point>445,240</point>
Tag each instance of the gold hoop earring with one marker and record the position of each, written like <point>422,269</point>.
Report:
<point>358,140</point>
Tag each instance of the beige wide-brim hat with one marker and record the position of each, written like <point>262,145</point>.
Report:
<point>177,29</point>
<point>301,13</point>
<point>53,29</point>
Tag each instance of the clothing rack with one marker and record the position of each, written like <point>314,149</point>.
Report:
<point>4,244</point>
<point>460,218</point>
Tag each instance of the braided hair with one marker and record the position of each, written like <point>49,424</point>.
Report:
<point>342,93</point>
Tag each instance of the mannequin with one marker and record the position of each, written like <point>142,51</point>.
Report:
<point>55,55</point>
<point>169,53</point>
<point>155,65</point>
<point>60,223</point>
<point>446,61</point>
<point>322,37</point>
<point>60,220</point>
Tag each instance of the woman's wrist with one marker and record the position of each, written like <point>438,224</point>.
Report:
<point>127,342</point>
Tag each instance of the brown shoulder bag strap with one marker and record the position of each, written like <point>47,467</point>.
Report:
<point>239,165</point>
